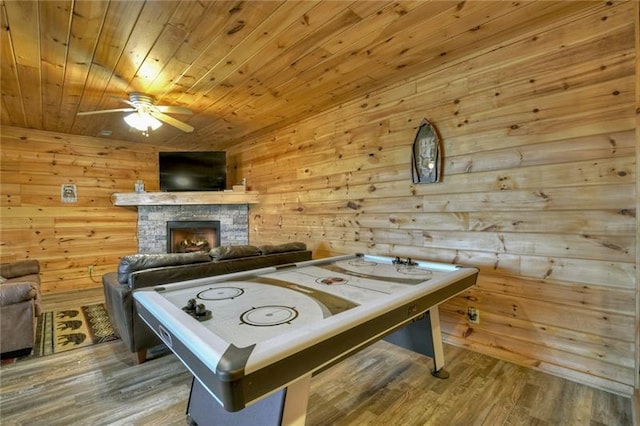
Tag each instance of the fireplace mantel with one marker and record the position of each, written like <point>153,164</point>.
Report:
<point>183,198</point>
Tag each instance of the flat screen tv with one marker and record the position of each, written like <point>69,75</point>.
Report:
<point>193,171</point>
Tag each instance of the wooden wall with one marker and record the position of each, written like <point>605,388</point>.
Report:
<point>636,399</point>
<point>539,190</point>
<point>68,238</point>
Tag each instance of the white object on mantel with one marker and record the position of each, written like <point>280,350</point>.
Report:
<point>239,188</point>
<point>183,198</point>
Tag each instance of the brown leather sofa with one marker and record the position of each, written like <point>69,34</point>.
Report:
<point>20,304</point>
<point>145,270</point>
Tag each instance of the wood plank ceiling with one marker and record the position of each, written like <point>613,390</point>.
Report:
<point>242,67</point>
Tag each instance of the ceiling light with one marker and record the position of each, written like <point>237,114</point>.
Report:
<point>142,121</point>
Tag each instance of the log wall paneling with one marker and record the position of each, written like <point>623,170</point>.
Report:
<point>68,238</point>
<point>539,186</point>
<point>636,398</point>
<point>317,104</point>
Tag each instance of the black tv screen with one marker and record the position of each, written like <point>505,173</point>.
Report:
<point>193,171</point>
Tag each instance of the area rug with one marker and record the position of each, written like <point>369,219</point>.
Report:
<point>65,329</point>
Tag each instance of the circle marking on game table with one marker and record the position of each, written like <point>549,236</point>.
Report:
<point>220,293</point>
<point>269,315</point>
<point>413,270</point>
<point>332,280</point>
<point>361,262</point>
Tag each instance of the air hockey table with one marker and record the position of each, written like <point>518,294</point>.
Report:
<point>253,340</point>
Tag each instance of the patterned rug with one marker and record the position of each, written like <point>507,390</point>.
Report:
<point>65,329</point>
<point>62,330</point>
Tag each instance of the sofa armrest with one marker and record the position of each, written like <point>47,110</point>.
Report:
<point>16,292</point>
<point>19,268</point>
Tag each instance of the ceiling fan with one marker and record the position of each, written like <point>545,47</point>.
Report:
<point>146,116</point>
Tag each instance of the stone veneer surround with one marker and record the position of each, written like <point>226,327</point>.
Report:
<point>152,223</point>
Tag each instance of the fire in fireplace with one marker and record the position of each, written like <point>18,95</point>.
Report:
<point>186,236</point>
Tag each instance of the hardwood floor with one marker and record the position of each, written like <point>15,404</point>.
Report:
<point>381,385</point>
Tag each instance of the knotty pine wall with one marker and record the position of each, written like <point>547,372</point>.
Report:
<point>67,238</point>
<point>539,190</point>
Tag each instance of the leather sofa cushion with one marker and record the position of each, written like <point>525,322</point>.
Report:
<point>139,262</point>
<point>234,252</point>
<point>17,292</point>
<point>20,268</point>
<point>282,248</point>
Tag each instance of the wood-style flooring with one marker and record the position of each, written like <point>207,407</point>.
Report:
<point>381,385</point>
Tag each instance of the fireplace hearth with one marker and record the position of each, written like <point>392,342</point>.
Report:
<point>187,236</point>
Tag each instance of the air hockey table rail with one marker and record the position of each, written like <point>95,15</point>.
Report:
<point>249,337</point>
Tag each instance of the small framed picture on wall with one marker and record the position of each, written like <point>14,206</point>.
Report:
<point>68,193</point>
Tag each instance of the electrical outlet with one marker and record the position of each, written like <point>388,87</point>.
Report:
<point>473,315</point>
<point>90,269</point>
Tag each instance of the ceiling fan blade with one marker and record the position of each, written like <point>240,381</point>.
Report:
<point>174,109</point>
<point>106,111</point>
<point>128,102</point>
<point>171,121</point>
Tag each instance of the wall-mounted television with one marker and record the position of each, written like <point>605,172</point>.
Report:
<point>193,171</point>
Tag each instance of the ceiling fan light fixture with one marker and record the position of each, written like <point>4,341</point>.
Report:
<point>142,121</point>
<point>146,116</point>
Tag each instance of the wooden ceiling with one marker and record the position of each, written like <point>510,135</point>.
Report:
<point>242,67</point>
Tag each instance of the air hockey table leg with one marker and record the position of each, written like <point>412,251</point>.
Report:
<point>296,402</point>
<point>286,407</point>
<point>436,337</point>
<point>424,336</point>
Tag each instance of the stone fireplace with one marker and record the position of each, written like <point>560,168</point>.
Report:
<point>153,232</point>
